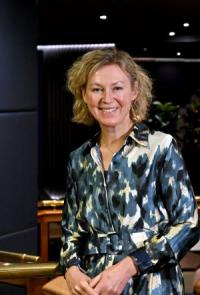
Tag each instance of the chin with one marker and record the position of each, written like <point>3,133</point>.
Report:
<point>108,124</point>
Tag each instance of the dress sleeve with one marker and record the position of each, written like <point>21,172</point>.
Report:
<point>72,231</point>
<point>182,230</point>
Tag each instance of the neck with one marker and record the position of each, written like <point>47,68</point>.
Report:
<point>110,136</point>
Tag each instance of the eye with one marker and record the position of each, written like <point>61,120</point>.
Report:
<point>96,89</point>
<point>117,88</point>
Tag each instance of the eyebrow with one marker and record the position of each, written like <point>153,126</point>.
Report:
<point>114,83</point>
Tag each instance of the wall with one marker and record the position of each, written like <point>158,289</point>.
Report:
<point>18,129</point>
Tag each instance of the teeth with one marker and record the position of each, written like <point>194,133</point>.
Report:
<point>108,110</point>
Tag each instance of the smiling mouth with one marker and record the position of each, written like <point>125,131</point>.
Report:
<point>108,110</point>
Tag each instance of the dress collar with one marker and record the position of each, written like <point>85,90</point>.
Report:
<point>139,134</point>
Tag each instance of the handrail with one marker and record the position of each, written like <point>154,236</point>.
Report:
<point>50,203</point>
<point>6,256</point>
<point>20,265</point>
<point>28,270</point>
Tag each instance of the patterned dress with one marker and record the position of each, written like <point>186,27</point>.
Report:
<point>144,207</point>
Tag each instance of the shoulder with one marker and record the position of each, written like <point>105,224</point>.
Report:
<point>79,154</point>
<point>81,150</point>
<point>161,140</point>
<point>151,138</point>
<point>160,137</point>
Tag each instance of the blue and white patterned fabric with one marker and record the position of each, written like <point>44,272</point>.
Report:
<point>144,208</point>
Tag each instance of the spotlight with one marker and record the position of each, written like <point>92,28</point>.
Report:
<point>171,34</point>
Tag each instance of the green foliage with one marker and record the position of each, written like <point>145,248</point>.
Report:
<point>163,115</point>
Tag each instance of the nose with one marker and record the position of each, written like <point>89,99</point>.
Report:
<point>107,96</point>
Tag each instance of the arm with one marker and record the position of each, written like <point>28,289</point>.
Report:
<point>71,233</point>
<point>182,231</point>
<point>72,241</point>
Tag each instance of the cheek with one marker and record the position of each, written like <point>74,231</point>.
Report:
<point>91,100</point>
<point>126,99</point>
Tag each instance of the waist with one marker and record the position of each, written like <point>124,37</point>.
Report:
<point>116,243</point>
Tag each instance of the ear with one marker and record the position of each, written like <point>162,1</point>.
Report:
<point>84,95</point>
<point>135,91</point>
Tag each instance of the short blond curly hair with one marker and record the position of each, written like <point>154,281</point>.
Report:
<point>87,64</point>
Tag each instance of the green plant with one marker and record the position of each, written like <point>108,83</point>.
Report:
<point>163,115</point>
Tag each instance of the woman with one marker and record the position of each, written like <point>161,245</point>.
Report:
<point>129,213</point>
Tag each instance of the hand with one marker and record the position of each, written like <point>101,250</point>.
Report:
<point>113,280</point>
<point>78,282</point>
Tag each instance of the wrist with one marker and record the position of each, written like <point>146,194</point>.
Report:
<point>132,265</point>
<point>74,268</point>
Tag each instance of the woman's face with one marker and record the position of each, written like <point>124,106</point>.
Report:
<point>109,96</point>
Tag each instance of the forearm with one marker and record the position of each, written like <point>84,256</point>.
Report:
<point>69,254</point>
<point>166,248</point>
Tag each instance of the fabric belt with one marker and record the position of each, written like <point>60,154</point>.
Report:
<point>112,243</point>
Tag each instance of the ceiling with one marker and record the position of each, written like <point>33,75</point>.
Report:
<point>140,27</point>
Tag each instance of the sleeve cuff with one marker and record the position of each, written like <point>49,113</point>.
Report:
<point>142,260</point>
<point>74,262</point>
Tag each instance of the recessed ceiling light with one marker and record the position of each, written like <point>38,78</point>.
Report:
<point>171,34</point>
<point>178,53</point>
<point>186,25</point>
<point>103,16</point>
